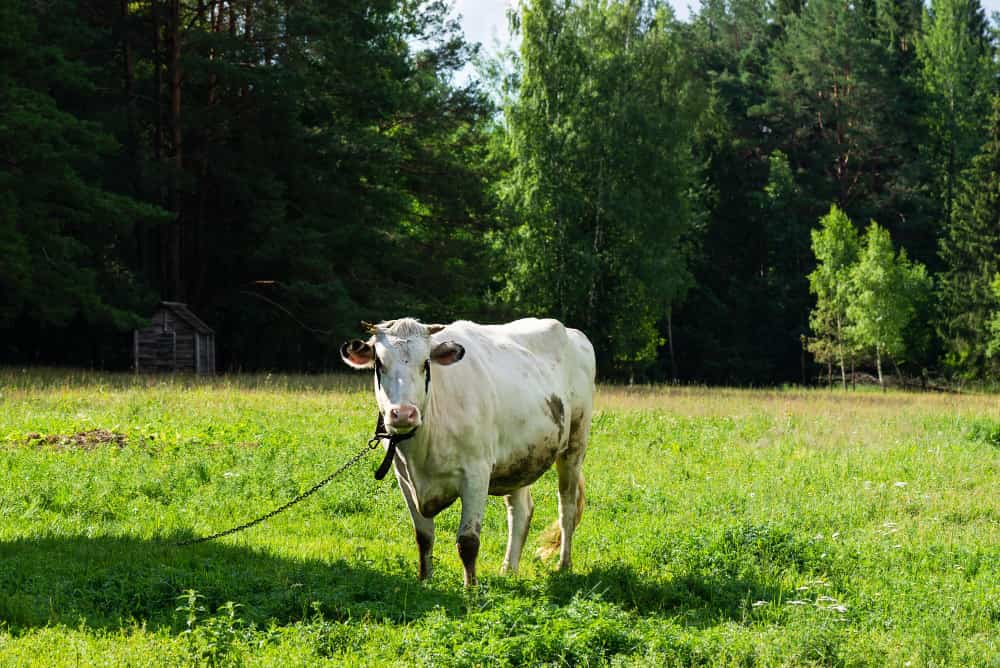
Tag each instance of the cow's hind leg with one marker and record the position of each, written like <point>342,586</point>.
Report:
<point>519,511</point>
<point>569,466</point>
<point>422,526</point>
<point>571,502</point>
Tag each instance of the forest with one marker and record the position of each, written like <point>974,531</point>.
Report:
<point>771,191</point>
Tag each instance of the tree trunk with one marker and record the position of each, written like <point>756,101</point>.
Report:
<point>176,158</point>
<point>802,358</point>
<point>598,243</point>
<point>132,139</point>
<point>878,365</point>
<point>670,342</point>
<point>158,80</point>
<point>840,353</point>
<point>899,374</point>
<point>163,233</point>
<point>197,258</point>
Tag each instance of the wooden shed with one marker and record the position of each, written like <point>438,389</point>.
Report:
<point>177,340</point>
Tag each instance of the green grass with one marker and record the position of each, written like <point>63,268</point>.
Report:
<point>723,527</point>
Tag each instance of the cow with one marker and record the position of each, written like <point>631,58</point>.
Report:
<point>484,410</point>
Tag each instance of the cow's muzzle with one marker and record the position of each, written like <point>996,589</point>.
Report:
<point>402,418</point>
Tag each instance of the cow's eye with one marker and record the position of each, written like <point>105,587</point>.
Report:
<point>378,371</point>
<point>427,375</point>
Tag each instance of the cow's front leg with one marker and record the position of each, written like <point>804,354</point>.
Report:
<point>422,526</point>
<point>473,505</point>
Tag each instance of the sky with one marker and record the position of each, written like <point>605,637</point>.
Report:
<point>483,20</point>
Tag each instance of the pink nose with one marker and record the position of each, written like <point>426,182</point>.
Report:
<point>404,415</point>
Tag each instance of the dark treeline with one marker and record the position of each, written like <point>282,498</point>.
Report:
<point>290,167</point>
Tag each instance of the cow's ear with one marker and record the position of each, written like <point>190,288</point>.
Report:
<point>358,354</point>
<point>447,353</point>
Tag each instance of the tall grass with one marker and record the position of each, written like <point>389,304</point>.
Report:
<point>724,527</point>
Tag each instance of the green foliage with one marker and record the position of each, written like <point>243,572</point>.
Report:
<point>311,164</point>
<point>290,167</point>
<point>836,247</point>
<point>210,640</point>
<point>957,75</point>
<point>605,92</point>
<point>61,228</point>
<point>970,250</point>
<point>993,346</point>
<point>749,303</point>
<point>830,101</point>
<point>868,297</point>
<point>886,288</point>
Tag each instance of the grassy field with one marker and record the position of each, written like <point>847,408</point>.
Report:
<point>723,527</point>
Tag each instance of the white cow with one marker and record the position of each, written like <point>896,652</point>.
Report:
<point>490,408</point>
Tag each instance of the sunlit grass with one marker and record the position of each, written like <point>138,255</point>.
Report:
<point>723,527</point>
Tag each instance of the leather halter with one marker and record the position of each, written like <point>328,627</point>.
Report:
<point>390,453</point>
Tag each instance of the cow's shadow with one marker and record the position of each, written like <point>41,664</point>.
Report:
<point>695,599</point>
<point>115,582</point>
<point>112,583</point>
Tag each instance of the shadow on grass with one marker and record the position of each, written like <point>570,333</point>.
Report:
<point>114,582</point>
<point>694,599</point>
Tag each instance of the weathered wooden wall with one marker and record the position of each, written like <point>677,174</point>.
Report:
<point>172,344</point>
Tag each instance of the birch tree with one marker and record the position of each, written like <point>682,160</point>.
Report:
<point>599,135</point>
<point>886,287</point>
<point>835,245</point>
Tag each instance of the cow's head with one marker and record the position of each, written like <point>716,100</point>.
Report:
<point>402,353</point>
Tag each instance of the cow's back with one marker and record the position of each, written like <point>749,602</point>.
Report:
<point>516,379</point>
<point>541,350</point>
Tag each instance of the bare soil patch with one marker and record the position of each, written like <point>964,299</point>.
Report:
<point>82,440</point>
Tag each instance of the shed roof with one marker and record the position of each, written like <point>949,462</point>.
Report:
<point>184,313</point>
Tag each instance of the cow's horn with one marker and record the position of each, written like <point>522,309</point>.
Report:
<point>370,328</point>
<point>434,329</point>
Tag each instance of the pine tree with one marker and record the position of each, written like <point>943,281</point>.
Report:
<point>831,104</point>
<point>993,346</point>
<point>749,305</point>
<point>957,75</point>
<point>61,227</point>
<point>970,251</point>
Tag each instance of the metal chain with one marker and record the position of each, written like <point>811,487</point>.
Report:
<point>372,444</point>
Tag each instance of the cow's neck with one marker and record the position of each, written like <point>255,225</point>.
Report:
<point>417,449</point>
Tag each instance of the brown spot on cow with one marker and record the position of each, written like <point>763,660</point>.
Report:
<point>468,550</point>
<point>556,411</point>
<point>575,424</point>
<point>522,472</point>
<point>434,505</point>
<point>425,545</point>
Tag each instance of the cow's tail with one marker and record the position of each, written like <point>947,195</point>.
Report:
<point>552,535</point>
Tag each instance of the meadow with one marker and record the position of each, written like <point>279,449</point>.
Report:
<point>723,527</point>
